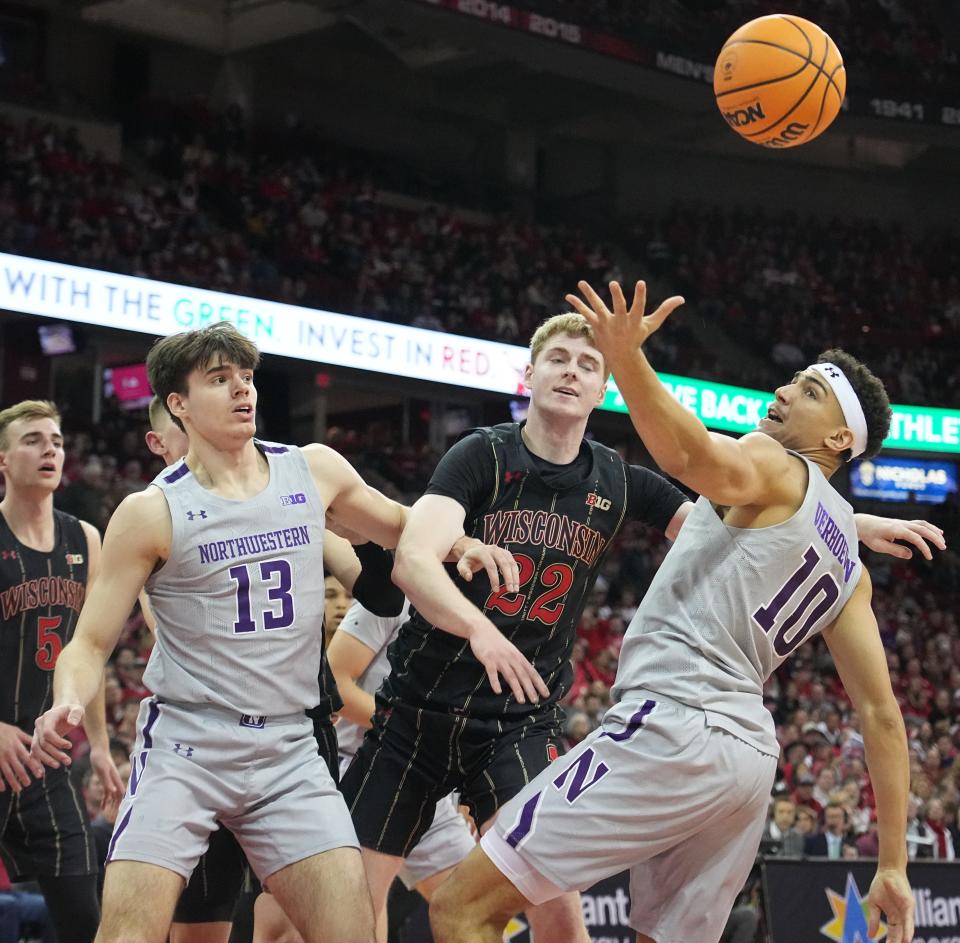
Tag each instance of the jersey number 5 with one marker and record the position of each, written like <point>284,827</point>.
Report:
<point>547,607</point>
<point>821,596</point>
<point>279,592</point>
<point>49,644</point>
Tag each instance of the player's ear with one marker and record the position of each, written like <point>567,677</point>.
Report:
<point>176,403</point>
<point>527,373</point>
<point>155,442</point>
<point>839,440</point>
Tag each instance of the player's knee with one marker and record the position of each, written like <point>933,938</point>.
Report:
<point>454,918</point>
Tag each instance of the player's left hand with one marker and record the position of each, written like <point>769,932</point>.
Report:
<point>883,533</point>
<point>890,893</point>
<point>101,762</point>
<point>624,330</point>
<point>496,561</point>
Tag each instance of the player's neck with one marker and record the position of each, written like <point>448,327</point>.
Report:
<point>557,442</point>
<point>825,461</point>
<point>231,473</point>
<point>29,514</point>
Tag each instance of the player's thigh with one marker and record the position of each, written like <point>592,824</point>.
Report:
<point>326,897</point>
<point>271,924</point>
<point>445,844</point>
<point>138,902</point>
<point>400,772</point>
<point>380,871</point>
<point>509,760</point>
<point>476,895</point>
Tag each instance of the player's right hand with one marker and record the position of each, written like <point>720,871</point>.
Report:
<point>16,763</point>
<point>890,892</point>
<point>49,740</point>
<point>501,657</point>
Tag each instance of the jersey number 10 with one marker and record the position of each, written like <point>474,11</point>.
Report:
<point>820,596</point>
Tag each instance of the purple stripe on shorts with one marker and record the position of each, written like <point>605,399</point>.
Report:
<point>177,474</point>
<point>274,449</point>
<point>523,827</point>
<point>118,831</point>
<point>152,715</point>
<point>634,724</point>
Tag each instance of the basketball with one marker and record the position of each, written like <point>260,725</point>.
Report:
<point>779,81</point>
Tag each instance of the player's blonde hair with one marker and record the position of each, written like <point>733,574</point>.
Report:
<point>28,409</point>
<point>570,323</point>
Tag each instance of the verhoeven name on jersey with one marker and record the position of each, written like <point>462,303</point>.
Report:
<point>544,528</point>
<point>41,593</point>
<point>233,547</point>
<point>833,537</point>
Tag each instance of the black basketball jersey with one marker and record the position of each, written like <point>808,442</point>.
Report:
<point>40,599</point>
<point>559,531</point>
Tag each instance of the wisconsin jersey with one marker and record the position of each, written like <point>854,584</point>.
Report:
<point>239,603</point>
<point>559,532</point>
<point>728,605</point>
<point>40,599</point>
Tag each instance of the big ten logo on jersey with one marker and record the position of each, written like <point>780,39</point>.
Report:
<point>286,500</point>
<point>595,501</point>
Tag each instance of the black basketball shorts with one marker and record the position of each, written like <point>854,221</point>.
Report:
<point>413,757</point>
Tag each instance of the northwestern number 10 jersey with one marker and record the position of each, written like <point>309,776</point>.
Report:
<point>559,522</point>
<point>40,599</point>
<point>728,605</point>
<point>239,603</point>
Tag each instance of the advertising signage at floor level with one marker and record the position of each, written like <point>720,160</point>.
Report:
<point>819,900</point>
<point>88,296</point>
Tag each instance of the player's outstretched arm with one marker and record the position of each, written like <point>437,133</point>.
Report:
<point>435,523</point>
<point>854,643</point>
<point>137,537</point>
<point>349,658</point>
<point>750,470</point>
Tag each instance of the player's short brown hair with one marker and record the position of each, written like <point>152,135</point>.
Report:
<point>872,395</point>
<point>28,409</point>
<point>571,323</point>
<point>173,358</point>
<point>156,413</point>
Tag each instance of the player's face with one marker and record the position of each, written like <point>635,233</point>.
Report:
<point>336,603</point>
<point>168,440</point>
<point>806,415</point>
<point>568,377</point>
<point>34,455</point>
<point>220,404</point>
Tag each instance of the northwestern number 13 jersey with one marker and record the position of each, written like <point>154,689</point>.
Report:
<point>40,599</point>
<point>559,522</point>
<point>239,603</point>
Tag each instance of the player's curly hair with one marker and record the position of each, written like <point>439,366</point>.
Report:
<point>173,358</point>
<point>872,395</point>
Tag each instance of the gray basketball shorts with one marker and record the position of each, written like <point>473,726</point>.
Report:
<point>194,766</point>
<point>444,845</point>
<point>655,790</point>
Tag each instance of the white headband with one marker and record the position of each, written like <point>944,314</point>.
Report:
<point>849,404</point>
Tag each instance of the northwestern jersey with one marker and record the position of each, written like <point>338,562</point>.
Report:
<point>40,599</point>
<point>729,604</point>
<point>558,521</point>
<point>376,632</point>
<point>239,603</point>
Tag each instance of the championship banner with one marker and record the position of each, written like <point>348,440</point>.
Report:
<point>811,901</point>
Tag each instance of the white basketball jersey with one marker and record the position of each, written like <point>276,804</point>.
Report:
<point>376,632</point>
<point>239,604</point>
<point>729,604</point>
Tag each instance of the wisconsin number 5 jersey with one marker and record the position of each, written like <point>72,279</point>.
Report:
<point>239,603</point>
<point>729,604</point>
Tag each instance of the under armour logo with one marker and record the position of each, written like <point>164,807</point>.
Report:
<point>8,554</point>
<point>192,514</point>
<point>832,372</point>
<point>182,750</point>
<point>512,476</point>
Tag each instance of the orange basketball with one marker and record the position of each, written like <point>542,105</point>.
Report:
<point>779,81</point>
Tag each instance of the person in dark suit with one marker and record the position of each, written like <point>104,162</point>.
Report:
<point>829,842</point>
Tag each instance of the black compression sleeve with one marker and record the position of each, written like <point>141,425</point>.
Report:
<point>373,588</point>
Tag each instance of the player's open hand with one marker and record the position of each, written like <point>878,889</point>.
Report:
<point>16,764</point>
<point>623,330</point>
<point>101,762</point>
<point>497,562</point>
<point>502,658</point>
<point>888,535</point>
<point>890,892</point>
<point>49,741</point>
